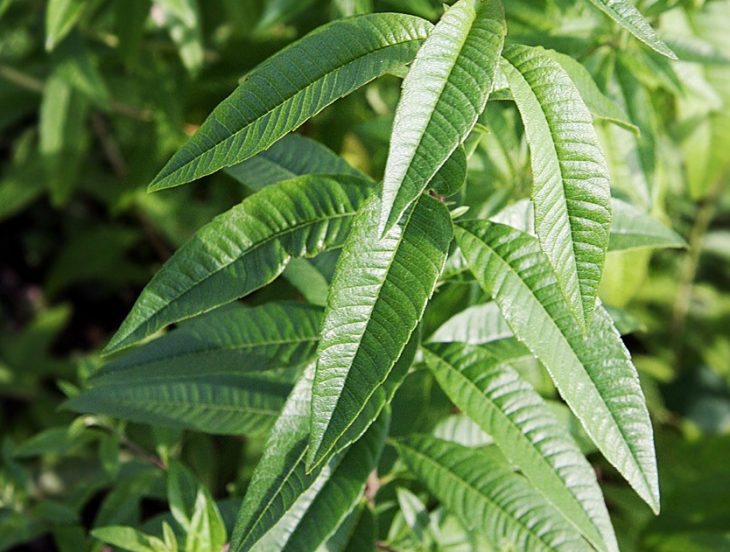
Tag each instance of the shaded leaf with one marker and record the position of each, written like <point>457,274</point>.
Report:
<point>593,373</point>
<point>632,229</point>
<point>61,17</point>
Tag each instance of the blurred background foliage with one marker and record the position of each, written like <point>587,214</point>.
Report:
<point>95,95</point>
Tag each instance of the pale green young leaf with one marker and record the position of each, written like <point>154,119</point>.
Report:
<point>61,17</point>
<point>488,497</point>
<point>629,17</point>
<point>128,538</point>
<point>571,188</point>
<point>483,386</point>
<point>292,156</point>
<point>288,508</point>
<point>593,372</point>
<point>443,94</point>
<point>230,340</point>
<point>376,300</point>
<point>290,87</point>
<point>634,229</point>
<point>244,249</point>
<point>228,404</point>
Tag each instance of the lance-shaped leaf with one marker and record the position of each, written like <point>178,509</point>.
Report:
<point>593,372</point>
<point>286,508</point>
<point>488,497</point>
<point>475,325</point>
<point>376,300</point>
<point>290,87</point>
<point>625,14</point>
<point>489,391</point>
<point>292,156</point>
<point>228,404</point>
<point>244,249</point>
<point>571,189</point>
<point>443,94</point>
<point>632,229</point>
<point>229,340</point>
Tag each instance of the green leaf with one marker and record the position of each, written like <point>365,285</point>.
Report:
<point>244,249</point>
<point>488,497</point>
<point>451,176</point>
<point>593,372</point>
<point>633,229</point>
<point>228,341</point>
<point>376,300</point>
<point>128,538</point>
<point>310,282</point>
<point>356,534</point>
<point>61,17</point>
<point>601,106</point>
<point>228,404</point>
<point>480,383</point>
<point>443,94</point>
<point>414,513</point>
<point>292,86</point>
<point>625,14</point>
<point>474,325</point>
<point>287,508</point>
<point>571,189</point>
<point>292,156</point>
<point>182,20</point>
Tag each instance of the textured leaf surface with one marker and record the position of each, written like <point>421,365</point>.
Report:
<point>632,229</point>
<point>245,249</point>
<point>484,387</point>
<point>222,404</point>
<point>488,497</point>
<point>286,508</point>
<point>443,94</point>
<point>230,340</point>
<point>593,373</point>
<point>292,156</point>
<point>290,87</point>
<point>378,295</point>
<point>571,189</point>
<point>625,14</point>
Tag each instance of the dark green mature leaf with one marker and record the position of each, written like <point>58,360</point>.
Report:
<point>226,404</point>
<point>290,87</point>
<point>571,189</point>
<point>292,156</point>
<point>245,249</point>
<point>231,340</point>
<point>286,508</point>
<point>625,14</point>
<point>632,229</point>
<point>443,94</point>
<point>484,387</point>
<point>488,497</point>
<point>451,176</point>
<point>376,300</point>
<point>593,372</point>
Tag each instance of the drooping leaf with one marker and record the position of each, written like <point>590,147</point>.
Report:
<point>593,372</point>
<point>625,14</point>
<point>228,341</point>
<point>376,300</point>
<point>286,508</point>
<point>443,94</point>
<point>245,249</point>
<point>290,87</point>
<point>484,387</point>
<point>571,187</point>
<point>61,16</point>
<point>292,156</point>
<point>632,229</point>
<point>488,497</point>
<point>229,404</point>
